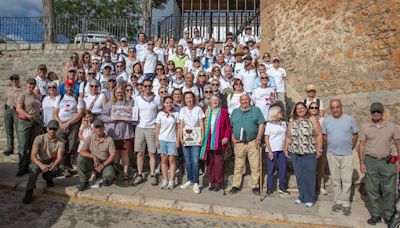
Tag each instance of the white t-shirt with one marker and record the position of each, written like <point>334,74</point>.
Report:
<point>194,90</point>
<point>48,105</point>
<point>122,77</point>
<point>97,106</point>
<point>191,118</point>
<point>196,41</point>
<point>233,101</point>
<point>160,54</point>
<point>183,42</point>
<point>276,132</point>
<point>68,107</point>
<point>140,50</point>
<point>171,53</point>
<point>41,84</point>
<point>150,62</point>
<point>248,77</point>
<point>263,98</point>
<point>279,76</point>
<point>168,127</point>
<point>148,111</point>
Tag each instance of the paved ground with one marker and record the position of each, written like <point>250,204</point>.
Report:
<point>50,212</point>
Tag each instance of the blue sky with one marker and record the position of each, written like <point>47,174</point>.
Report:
<point>33,8</point>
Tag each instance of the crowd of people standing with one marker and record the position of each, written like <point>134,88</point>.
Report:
<point>190,101</point>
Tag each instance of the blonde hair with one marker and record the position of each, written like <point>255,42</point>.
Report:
<point>113,97</point>
<point>273,111</point>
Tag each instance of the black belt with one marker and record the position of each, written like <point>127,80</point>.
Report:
<point>383,158</point>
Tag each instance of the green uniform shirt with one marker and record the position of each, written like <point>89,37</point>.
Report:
<point>180,61</point>
<point>249,121</point>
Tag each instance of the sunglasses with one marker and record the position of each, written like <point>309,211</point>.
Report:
<point>129,90</point>
<point>171,64</point>
<point>313,107</point>
<point>163,91</point>
<point>264,78</point>
<point>119,66</point>
<point>376,111</point>
<point>53,129</point>
<point>147,86</point>
<point>207,91</point>
<point>159,69</point>
<point>275,61</point>
<point>150,44</point>
<point>163,79</point>
<point>202,75</point>
<point>213,84</point>
<point>91,73</point>
<point>94,86</point>
<point>14,79</point>
<point>95,63</point>
<point>107,68</point>
<point>238,84</point>
<point>52,87</point>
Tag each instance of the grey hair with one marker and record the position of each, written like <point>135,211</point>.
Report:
<point>272,112</point>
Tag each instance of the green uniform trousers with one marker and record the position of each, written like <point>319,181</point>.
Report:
<point>380,175</point>
<point>34,172</point>
<point>86,166</point>
<point>10,123</point>
<point>26,133</point>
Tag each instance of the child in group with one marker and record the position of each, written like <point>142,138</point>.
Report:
<point>85,130</point>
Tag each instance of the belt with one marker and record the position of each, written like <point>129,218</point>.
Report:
<point>245,142</point>
<point>383,158</point>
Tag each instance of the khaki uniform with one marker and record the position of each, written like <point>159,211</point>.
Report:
<point>10,115</point>
<point>102,149</point>
<point>47,153</point>
<point>28,129</point>
<point>380,175</point>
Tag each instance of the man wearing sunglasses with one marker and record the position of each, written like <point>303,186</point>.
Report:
<point>47,154</point>
<point>379,164</point>
<point>340,134</point>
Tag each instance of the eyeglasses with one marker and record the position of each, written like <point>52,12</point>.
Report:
<point>214,84</point>
<point>147,86</point>
<point>208,91</point>
<point>159,69</point>
<point>264,78</point>
<point>94,86</point>
<point>313,107</point>
<point>376,111</point>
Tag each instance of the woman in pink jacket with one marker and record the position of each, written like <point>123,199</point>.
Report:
<point>217,134</point>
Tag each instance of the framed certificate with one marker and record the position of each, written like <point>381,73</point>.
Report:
<point>123,113</point>
<point>191,136</point>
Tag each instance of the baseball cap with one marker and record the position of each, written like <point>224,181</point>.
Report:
<point>196,59</point>
<point>196,30</point>
<point>14,77</point>
<point>69,82</point>
<point>250,40</point>
<point>94,82</point>
<point>248,27</point>
<point>31,81</point>
<point>275,58</point>
<point>107,65</point>
<point>310,87</point>
<point>123,39</point>
<point>98,123</point>
<point>41,66</point>
<point>376,106</point>
<point>53,124</point>
<point>72,69</point>
<point>111,78</point>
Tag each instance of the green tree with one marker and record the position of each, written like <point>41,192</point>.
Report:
<point>75,16</point>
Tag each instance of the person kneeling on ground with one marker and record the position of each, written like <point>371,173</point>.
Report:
<point>47,154</point>
<point>98,153</point>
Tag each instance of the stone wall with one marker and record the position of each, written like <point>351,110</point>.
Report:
<point>23,59</point>
<point>349,49</point>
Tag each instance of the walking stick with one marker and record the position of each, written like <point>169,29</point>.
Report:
<point>261,179</point>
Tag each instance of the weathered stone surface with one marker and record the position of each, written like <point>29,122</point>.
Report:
<point>346,48</point>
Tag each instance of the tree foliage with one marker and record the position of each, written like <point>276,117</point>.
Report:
<point>73,13</point>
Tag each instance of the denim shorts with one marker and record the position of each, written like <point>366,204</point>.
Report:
<point>167,148</point>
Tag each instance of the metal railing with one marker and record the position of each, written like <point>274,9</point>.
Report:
<point>210,24</point>
<point>32,29</point>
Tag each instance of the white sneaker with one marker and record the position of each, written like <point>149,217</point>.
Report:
<point>164,184</point>
<point>196,188</point>
<point>297,202</point>
<point>309,204</point>
<point>170,185</point>
<point>186,185</point>
<point>323,191</point>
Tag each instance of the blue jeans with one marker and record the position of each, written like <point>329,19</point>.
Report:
<point>305,170</point>
<point>191,154</point>
<point>280,158</point>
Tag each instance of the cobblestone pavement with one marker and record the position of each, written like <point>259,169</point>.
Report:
<point>53,212</point>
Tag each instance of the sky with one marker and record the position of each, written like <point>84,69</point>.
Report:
<point>33,8</point>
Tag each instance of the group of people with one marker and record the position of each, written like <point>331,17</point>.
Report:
<point>192,102</point>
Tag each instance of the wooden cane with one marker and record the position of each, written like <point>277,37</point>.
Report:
<point>261,182</point>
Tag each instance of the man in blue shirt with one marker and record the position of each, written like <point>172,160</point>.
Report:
<point>340,133</point>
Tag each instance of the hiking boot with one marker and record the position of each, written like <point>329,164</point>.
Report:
<point>8,152</point>
<point>83,186</point>
<point>234,190</point>
<point>28,197</point>
<point>374,220</point>
<point>347,211</point>
<point>337,207</point>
